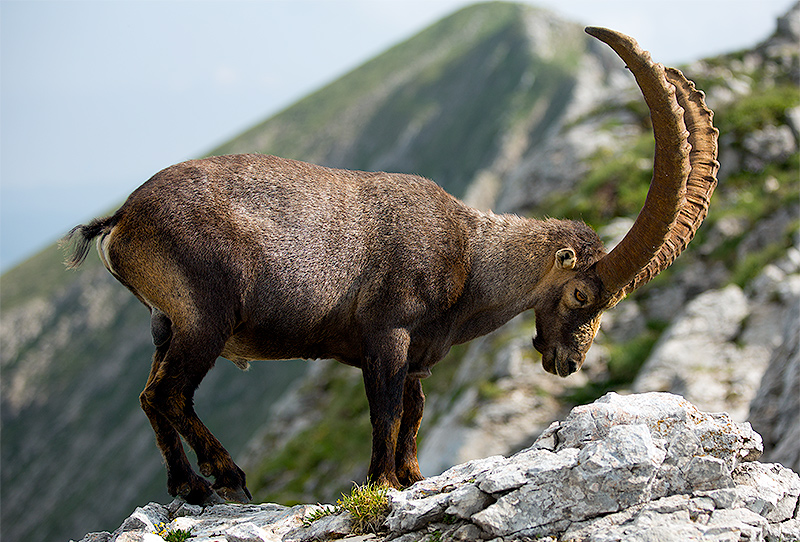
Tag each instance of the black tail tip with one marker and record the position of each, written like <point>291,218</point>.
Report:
<point>79,239</point>
<point>77,248</point>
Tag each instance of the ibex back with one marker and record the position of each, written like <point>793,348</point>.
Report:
<point>255,257</point>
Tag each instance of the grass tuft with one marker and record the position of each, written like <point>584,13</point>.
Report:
<point>368,506</point>
<point>323,511</point>
<point>173,535</point>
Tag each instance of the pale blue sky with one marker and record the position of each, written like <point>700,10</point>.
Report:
<point>97,96</point>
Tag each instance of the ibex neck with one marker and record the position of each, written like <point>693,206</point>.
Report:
<point>509,257</point>
<point>511,254</point>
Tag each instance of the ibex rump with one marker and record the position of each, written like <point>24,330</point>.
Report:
<point>255,257</point>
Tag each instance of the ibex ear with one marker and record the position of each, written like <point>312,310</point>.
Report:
<point>565,258</point>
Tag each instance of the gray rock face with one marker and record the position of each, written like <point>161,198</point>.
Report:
<point>614,454</point>
<point>697,358</point>
<point>774,411</point>
<point>639,467</point>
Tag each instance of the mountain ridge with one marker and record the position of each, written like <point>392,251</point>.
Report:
<point>409,105</point>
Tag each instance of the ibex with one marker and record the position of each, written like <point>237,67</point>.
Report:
<point>253,257</point>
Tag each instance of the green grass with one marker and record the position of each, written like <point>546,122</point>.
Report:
<point>321,512</point>
<point>488,390</point>
<point>744,198</point>
<point>767,106</point>
<point>616,185</point>
<point>367,504</point>
<point>751,265</point>
<point>173,535</point>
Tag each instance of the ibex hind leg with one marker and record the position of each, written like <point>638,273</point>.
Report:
<point>170,392</point>
<point>182,481</point>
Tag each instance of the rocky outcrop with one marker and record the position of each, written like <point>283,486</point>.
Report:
<point>775,410</point>
<point>638,467</point>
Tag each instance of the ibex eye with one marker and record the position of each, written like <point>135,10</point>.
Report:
<point>580,297</point>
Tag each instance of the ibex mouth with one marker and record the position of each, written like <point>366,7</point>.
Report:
<point>556,360</point>
<point>567,367</point>
<point>565,363</point>
<point>548,354</point>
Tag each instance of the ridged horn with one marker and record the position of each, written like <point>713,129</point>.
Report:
<point>684,171</point>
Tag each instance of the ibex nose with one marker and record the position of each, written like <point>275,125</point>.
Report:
<point>567,367</point>
<point>566,363</point>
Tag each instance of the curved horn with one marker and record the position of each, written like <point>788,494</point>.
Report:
<point>684,171</point>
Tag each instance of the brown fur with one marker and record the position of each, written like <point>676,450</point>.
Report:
<point>255,257</point>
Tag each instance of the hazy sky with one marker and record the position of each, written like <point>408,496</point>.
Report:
<point>97,96</point>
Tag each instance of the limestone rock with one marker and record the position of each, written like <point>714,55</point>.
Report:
<point>325,528</point>
<point>774,411</point>
<point>248,532</point>
<point>467,500</point>
<point>143,519</point>
<point>699,355</point>
<point>638,467</point>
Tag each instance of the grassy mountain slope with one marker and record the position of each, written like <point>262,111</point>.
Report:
<point>437,105</point>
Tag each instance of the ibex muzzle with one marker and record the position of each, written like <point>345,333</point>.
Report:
<point>255,257</point>
<point>568,319</point>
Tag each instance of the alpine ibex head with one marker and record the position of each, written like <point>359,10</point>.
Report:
<point>583,284</point>
<point>568,312</point>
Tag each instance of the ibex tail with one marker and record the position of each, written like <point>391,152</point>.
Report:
<point>81,236</point>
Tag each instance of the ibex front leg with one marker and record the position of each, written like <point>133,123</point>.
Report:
<point>406,463</point>
<point>385,368</point>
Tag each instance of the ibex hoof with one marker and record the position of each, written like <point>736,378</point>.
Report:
<point>409,478</point>
<point>194,491</point>
<point>212,498</point>
<point>240,494</point>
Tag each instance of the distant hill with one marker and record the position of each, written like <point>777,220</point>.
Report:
<point>439,104</point>
<point>504,105</point>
